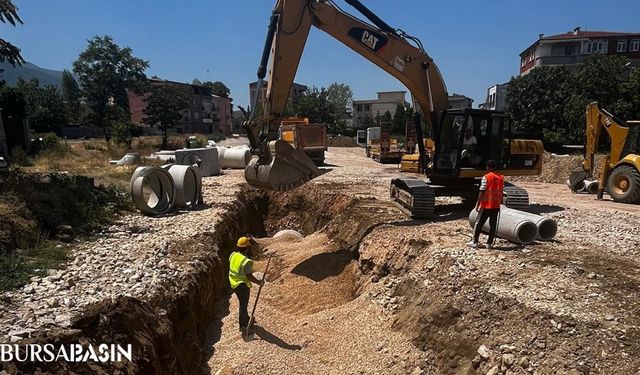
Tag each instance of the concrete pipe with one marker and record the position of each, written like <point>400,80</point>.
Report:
<point>514,229</point>
<point>591,187</point>
<point>188,184</point>
<point>547,227</point>
<point>152,190</point>
<point>234,157</point>
<point>130,158</point>
<point>206,158</point>
<point>289,233</point>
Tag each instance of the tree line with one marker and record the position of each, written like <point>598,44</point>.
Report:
<point>106,73</point>
<point>549,103</point>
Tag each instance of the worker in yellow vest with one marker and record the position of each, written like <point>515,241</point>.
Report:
<point>241,277</point>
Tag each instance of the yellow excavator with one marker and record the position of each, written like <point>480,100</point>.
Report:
<point>453,169</point>
<point>619,172</point>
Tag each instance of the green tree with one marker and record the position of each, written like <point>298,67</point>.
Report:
<point>106,72</point>
<point>340,98</point>
<point>313,104</point>
<point>9,52</point>
<point>400,118</point>
<point>165,103</point>
<point>218,88</point>
<point>72,95</point>
<point>44,106</point>
<point>537,101</point>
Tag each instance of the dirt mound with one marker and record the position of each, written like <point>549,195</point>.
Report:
<point>341,141</point>
<point>557,168</point>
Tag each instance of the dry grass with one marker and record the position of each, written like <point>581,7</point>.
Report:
<point>91,158</point>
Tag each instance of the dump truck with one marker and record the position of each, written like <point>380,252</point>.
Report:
<point>305,136</point>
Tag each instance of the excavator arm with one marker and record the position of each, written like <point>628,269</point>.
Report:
<point>278,166</point>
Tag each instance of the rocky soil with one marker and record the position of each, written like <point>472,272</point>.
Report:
<point>365,291</point>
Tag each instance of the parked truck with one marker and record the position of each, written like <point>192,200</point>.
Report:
<point>310,138</point>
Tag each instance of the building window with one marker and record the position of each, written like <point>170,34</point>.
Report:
<point>196,116</point>
<point>622,46</point>
<point>635,46</point>
<point>522,62</point>
<point>359,108</point>
<point>366,107</point>
<point>568,50</point>
<point>594,47</point>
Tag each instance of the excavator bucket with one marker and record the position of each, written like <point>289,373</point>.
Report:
<point>286,169</point>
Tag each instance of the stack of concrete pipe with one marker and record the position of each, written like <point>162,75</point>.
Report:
<point>234,157</point>
<point>519,226</point>
<point>585,186</point>
<point>156,190</point>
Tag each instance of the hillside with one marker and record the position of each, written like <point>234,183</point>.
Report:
<point>29,71</point>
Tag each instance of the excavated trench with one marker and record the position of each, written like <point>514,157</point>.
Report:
<point>174,332</point>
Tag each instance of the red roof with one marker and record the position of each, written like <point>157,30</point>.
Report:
<point>587,34</point>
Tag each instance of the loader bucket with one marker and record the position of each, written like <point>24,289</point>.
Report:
<point>286,168</point>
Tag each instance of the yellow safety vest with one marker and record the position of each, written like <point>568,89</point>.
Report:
<point>237,262</point>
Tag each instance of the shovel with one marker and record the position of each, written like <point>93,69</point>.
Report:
<point>253,312</point>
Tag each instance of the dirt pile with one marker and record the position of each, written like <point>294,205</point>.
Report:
<point>557,168</point>
<point>541,309</point>
<point>341,141</point>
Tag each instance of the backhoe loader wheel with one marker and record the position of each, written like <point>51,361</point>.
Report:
<point>624,185</point>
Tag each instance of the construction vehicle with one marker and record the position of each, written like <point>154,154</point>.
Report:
<point>302,135</point>
<point>280,167</point>
<point>385,149</point>
<point>619,172</point>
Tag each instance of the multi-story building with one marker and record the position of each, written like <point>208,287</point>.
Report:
<point>296,90</point>
<point>570,49</point>
<point>496,97</point>
<point>366,110</point>
<point>207,113</point>
<point>457,101</point>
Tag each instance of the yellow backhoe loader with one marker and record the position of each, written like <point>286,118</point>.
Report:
<point>619,172</point>
<point>452,170</point>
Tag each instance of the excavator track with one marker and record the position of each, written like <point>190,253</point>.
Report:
<point>515,197</point>
<point>414,196</point>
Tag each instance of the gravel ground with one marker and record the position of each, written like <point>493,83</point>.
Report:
<point>416,300</point>
<point>129,258</point>
<point>562,307</point>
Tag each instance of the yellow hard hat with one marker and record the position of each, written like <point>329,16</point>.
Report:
<point>244,242</point>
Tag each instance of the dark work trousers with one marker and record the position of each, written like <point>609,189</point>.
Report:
<point>492,215</point>
<point>242,291</point>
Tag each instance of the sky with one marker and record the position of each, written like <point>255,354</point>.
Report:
<point>474,43</point>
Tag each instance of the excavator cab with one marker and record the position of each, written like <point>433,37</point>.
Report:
<point>468,138</point>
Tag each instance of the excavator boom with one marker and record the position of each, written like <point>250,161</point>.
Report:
<point>279,166</point>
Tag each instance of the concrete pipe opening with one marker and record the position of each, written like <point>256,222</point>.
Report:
<point>152,190</point>
<point>591,187</point>
<point>547,229</point>
<point>526,232</point>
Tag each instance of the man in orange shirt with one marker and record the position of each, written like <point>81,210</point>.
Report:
<point>488,206</point>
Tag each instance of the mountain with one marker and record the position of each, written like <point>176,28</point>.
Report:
<point>29,71</point>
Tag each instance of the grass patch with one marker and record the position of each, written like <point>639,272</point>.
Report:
<point>17,269</point>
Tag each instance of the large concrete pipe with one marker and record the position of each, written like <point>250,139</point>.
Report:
<point>591,186</point>
<point>206,158</point>
<point>234,157</point>
<point>512,228</point>
<point>547,227</point>
<point>152,190</point>
<point>188,184</point>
